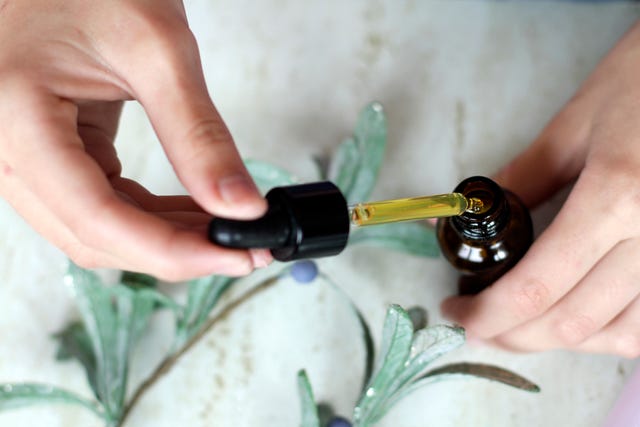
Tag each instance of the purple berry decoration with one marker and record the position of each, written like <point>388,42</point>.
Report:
<point>339,422</point>
<point>304,271</point>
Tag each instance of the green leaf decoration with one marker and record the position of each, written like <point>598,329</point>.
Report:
<point>357,162</point>
<point>145,303</point>
<point>427,345</point>
<point>113,318</point>
<point>204,294</point>
<point>395,349</point>
<point>309,409</point>
<point>267,176</point>
<point>461,371</point>
<point>74,343</point>
<point>397,335</point>
<point>409,237</point>
<point>138,280</point>
<point>368,346</point>
<point>344,166</point>
<point>14,396</point>
<point>159,300</point>
<point>147,299</point>
<point>405,356</point>
<point>480,370</point>
<point>364,326</point>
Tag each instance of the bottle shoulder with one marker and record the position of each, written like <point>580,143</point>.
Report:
<point>473,253</point>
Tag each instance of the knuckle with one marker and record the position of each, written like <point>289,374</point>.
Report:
<point>177,47</point>
<point>574,330</point>
<point>167,35</point>
<point>531,297</point>
<point>204,136</point>
<point>627,345</point>
<point>207,131</point>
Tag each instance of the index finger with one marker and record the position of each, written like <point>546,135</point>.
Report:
<point>192,132</point>
<point>46,153</point>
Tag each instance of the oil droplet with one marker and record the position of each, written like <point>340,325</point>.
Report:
<point>475,205</point>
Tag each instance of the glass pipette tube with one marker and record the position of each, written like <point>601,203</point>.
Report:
<point>414,208</point>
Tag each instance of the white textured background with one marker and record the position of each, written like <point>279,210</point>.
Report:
<point>466,85</point>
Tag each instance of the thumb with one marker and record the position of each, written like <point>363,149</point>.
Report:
<point>194,136</point>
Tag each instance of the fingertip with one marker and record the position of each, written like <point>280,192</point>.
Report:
<point>260,257</point>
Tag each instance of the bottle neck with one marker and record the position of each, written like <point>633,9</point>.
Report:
<point>492,219</point>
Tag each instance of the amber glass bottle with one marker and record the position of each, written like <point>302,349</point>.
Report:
<point>484,244</point>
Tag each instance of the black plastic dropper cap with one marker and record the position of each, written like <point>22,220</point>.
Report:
<point>302,221</point>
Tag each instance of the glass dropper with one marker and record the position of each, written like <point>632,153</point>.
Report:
<point>414,208</point>
<point>313,220</point>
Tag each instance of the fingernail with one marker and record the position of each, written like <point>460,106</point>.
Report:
<point>237,188</point>
<point>260,257</point>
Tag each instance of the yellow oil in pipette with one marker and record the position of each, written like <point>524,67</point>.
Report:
<point>414,208</point>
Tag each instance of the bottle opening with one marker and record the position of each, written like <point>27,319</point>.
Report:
<point>490,219</point>
<point>480,200</point>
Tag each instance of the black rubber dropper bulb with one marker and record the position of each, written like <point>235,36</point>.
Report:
<point>302,221</point>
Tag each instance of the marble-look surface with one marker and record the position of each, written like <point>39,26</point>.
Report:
<point>466,85</point>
